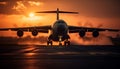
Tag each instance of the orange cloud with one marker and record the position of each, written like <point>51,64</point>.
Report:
<point>20,7</point>
<point>32,3</point>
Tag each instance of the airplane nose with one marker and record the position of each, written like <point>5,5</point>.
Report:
<point>61,28</point>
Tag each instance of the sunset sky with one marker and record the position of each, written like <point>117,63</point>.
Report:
<point>92,13</point>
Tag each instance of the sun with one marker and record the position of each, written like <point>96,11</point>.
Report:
<point>32,18</point>
<point>31,15</point>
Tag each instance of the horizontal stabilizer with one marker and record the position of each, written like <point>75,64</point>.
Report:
<point>57,12</point>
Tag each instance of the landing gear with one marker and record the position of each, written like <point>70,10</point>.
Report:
<point>66,42</point>
<point>49,42</point>
<point>60,40</point>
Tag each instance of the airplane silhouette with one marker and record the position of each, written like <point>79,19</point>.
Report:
<point>59,30</point>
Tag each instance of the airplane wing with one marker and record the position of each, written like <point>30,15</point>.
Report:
<point>76,29</point>
<point>43,29</point>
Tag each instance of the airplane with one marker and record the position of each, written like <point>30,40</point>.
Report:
<point>59,30</point>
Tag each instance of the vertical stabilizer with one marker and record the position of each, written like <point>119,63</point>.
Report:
<point>57,13</point>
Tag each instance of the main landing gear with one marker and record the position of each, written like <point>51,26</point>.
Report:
<point>66,42</point>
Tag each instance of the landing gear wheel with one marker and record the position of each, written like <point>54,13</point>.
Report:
<point>67,43</point>
<point>49,43</point>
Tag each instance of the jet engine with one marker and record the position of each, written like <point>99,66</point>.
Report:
<point>95,33</point>
<point>20,33</point>
<point>82,33</point>
<point>34,32</point>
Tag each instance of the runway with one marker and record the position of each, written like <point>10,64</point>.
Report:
<point>59,57</point>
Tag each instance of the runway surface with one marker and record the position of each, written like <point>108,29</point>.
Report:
<point>59,57</point>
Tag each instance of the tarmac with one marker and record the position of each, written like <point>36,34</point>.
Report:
<point>59,57</point>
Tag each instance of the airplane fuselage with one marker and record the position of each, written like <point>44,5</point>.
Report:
<point>59,29</point>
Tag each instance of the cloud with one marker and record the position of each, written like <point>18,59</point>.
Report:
<point>18,6</point>
<point>34,3</point>
<point>89,8</point>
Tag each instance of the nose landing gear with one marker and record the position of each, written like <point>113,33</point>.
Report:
<point>66,42</point>
<point>60,40</point>
<point>49,42</point>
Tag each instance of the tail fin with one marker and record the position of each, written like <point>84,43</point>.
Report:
<point>57,12</point>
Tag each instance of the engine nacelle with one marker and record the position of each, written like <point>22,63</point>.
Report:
<point>34,32</point>
<point>95,33</point>
<point>20,33</point>
<point>82,33</point>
